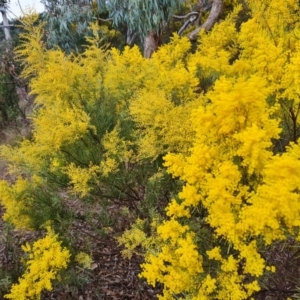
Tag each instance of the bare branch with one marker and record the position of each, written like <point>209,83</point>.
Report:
<point>186,16</point>
<point>21,8</point>
<point>104,20</point>
<point>19,20</point>
<point>187,23</point>
<point>150,43</point>
<point>214,14</point>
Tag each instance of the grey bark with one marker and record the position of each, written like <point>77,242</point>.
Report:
<point>131,37</point>
<point>214,14</point>
<point>5,23</point>
<point>150,44</point>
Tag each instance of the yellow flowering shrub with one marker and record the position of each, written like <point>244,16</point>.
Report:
<point>224,118</point>
<point>66,89</point>
<point>46,257</point>
<point>237,182</point>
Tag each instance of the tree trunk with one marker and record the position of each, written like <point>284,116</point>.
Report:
<point>131,37</point>
<point>5,23</point>
<point>214,14</point>
<point>151,43</point>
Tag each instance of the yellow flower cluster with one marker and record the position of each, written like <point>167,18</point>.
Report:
<point>132,238</point>
<point>177,264</point>
<point>80,178</point>
<point>17,201</point>
<point>46,257</point>
<point>84,260</point>
<point>117,151</point>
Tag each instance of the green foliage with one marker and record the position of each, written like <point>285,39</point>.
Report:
<point>8,100</point>
<point>142,16</point>
<point>9,109</point>
<point>67,23</point>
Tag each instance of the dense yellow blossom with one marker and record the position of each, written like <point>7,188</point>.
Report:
<point>177,264</point>
<point>175,209</point>
<point>46,257</point>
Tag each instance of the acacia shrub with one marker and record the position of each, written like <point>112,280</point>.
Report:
<point>240,194</point>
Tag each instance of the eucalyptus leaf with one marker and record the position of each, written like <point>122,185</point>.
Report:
<point>68,20</point>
